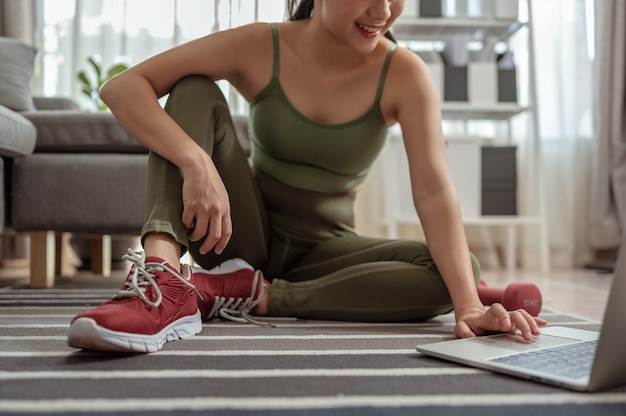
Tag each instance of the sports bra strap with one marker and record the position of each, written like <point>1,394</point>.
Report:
<point>276,52</point>
<point>383,76</point>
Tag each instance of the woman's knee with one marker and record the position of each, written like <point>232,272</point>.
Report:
<point>422,256</point>
<point>198,106</point>
<point>193,91</point>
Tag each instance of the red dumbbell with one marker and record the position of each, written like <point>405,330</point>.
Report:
<point>520,295</point>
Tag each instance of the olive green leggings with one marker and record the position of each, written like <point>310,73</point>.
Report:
<point>303,241</point>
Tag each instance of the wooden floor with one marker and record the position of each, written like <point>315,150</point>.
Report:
<point>576,291</point>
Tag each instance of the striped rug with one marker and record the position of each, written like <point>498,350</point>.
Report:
<point>298,368</point>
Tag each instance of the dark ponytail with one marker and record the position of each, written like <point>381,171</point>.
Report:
<point>299,10</point>
<point>303,9</point>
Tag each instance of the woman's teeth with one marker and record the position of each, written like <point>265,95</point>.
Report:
<point>368,29</point>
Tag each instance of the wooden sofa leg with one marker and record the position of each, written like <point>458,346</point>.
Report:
<point>101,255</point>
<point>42,257</point>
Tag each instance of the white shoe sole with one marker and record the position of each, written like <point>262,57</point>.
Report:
<point>85,333</point>
<point>226,267</point>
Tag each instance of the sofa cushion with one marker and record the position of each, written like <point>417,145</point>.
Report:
<point>4,200</point>
<point>17,134</point>
<point>67,131</point>
<point>16,70</point>
<point>95,193</point>
<point>85,132</point>
<point>54,103</point>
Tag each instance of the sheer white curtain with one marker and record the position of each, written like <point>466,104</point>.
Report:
<point>608,210</point>
<point>565,56</point>
<point>130,31</point>
<point>17,19</point>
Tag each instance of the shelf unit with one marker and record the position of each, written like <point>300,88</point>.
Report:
<point>440,29</point>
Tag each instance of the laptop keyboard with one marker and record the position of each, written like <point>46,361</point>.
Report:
<point>573,360</point>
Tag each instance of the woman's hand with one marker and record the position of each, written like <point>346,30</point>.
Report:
<point>474,322</point>
<point>206,208</point>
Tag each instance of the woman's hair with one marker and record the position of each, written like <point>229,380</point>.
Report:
<point>300,9</point>
<point>303,9</point>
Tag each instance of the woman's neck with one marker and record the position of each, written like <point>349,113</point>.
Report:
<point>317,45</point>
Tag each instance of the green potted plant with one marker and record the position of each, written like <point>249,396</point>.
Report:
<point>90,85</point>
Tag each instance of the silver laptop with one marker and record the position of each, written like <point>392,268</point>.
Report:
<point>591,360</point>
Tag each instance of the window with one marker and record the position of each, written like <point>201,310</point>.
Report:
<point>130,31</point>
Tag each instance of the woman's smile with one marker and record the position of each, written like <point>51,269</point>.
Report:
<point>367,30</point>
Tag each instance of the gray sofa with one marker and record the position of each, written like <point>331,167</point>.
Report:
<point>17,140</point>
<point>83,174</point>
<point>65,171</point>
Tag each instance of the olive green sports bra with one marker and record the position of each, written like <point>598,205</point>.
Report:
<point>308,154</point>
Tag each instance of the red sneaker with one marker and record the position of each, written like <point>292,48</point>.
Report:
<point>155,305</point>
<point>231,291</point>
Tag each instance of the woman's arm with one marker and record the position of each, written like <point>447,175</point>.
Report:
<point>436,202</point>
<point>241,56</point>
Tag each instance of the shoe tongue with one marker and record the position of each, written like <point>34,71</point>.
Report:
<point>158,260</point>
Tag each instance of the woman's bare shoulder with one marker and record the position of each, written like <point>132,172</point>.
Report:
<point>408,64</point>
<point>250,49</point>
<point>251,31</point>
<point>409,87</point>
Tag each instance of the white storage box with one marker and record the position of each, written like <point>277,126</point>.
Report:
<point>464,159</point>
<point>411,8</point>
<point>482,83</point>
<point>506,9</point>
<point>480,8</point>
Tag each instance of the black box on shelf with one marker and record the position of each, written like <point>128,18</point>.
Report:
<point>507,85</point>
<point>507,78</point>
<point>499,200</point>
<point>431,8</point>
<point>454,83</point>
<point>499,180</point>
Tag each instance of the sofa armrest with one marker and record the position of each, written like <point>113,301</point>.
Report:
<point>55,103</point>
<point>76,131</point>
<point>17,134</point>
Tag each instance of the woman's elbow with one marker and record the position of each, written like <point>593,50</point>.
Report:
<point>109,91</point>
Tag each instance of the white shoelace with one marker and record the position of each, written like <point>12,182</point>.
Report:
<point>238,310</point>
<point>143,275</point>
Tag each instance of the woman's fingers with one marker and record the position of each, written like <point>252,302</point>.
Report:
<point>227,232</point>
<point>527,324</point>
<point>498,319</point>
<point>213,225</point>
